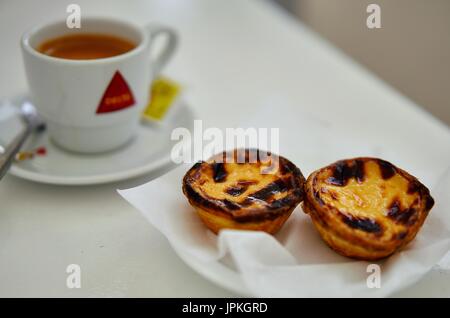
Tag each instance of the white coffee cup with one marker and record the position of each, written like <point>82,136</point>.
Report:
<point>71,95</point>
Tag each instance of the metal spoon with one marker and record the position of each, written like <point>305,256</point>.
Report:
<point>32,123</point>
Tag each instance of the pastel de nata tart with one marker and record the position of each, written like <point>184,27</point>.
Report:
<point>366,208</point>
<point>245,190</point>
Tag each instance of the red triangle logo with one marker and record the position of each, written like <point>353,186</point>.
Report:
<point>117,96</point>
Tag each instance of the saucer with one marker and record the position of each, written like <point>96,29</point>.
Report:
<point>148,151</point>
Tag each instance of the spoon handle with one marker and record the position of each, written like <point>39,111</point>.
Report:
<point>9,153</point>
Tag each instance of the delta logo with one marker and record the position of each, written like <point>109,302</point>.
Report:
<point>117,96</point>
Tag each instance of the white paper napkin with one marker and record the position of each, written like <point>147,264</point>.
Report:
<point>296,262</point>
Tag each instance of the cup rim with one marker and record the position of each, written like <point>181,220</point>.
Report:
<point>25,42</point>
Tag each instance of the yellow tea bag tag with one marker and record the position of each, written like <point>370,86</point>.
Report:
<point>164,93</point>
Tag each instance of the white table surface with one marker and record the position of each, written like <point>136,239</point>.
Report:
<point>233,54</point>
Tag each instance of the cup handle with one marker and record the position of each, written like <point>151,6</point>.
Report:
<point>166,53</point>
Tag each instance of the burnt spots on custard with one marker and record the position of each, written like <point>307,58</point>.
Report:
<point>219,172</point>
<point>399,215</point>
<point>406,217</point>
<point>235,191</point>
<point>387,169</point>
<point>394,209</point>
<point>363,224</point>
<point>340,174</point>
<point>240,187</point>
<point>231,205</point>
<point>269,190</point>
<point>358,170</point>
<point>266,193</point>
<point>247,183</point>
<point>345,170</point>
<point>277,204</point>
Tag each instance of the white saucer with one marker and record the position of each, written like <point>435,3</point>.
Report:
<point>148,151</point>
<point>216,272</point>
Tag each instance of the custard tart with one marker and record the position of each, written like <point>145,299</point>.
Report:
<point>242,189</point>
<point>366,208</point>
